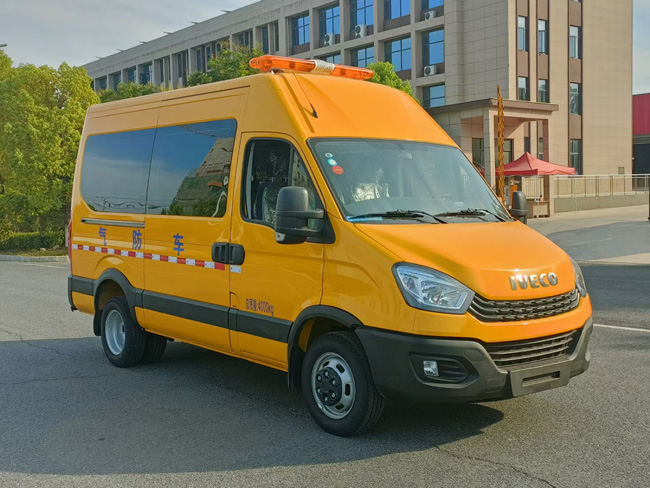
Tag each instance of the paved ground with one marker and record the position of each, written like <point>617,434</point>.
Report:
<point>68,418</point>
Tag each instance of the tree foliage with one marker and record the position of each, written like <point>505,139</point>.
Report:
<point>230,63</point>
<point>127,90</point>
<point>385,75</point>
<point>42,111</point>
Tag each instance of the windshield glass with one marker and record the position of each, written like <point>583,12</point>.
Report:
<point>377,180</point>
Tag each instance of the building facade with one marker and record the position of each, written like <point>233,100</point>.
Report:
<point>564,67</point>
<point>641,131</point>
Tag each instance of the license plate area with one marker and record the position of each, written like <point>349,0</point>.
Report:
<point>540,378</point>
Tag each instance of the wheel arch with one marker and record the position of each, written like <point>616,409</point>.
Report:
<point>110,284</point>
<point>309,325</point>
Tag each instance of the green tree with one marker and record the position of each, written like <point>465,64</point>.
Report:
<point>230,63</point>
<point>127,90</point>
<point>42,111</point>
<point>385,75</point>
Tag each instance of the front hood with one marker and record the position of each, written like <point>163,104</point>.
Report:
<point>483,256</point>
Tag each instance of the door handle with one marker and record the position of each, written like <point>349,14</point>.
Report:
<point>227,253</point>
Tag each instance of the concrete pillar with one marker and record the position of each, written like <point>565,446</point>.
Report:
<point>285,39</point>
<point>191,56</point>
<point>175,74</point>
<point>416,54</point>
<point>345,21</point>
<point>138,72</point>
<point>547,154</point>
<point>378,12</point>
<point>155,72</point>
<point>314,28</point>
<point>489,133</point>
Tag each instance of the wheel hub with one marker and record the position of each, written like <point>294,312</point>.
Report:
<point>329,386</point>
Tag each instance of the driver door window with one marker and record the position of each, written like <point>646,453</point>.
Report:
<point>270,166</point>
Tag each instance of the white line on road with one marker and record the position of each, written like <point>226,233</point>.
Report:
<point>46,265</point>
<point>635,329</point>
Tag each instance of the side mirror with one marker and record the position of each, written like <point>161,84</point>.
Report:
<point>519,208</point>
<point>291,216</point>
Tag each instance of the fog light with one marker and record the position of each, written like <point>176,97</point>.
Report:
<point>430,368</point>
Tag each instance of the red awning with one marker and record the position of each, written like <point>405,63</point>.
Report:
<point>529,165</point>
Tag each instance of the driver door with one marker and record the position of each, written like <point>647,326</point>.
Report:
<point>276,281</point>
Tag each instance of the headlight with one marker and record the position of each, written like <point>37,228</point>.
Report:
<point>428,289</point>
<point>580,280</point>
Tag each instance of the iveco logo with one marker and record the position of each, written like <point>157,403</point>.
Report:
<point>535,281</point>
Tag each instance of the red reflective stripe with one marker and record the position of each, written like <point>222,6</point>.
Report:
<point>180,260</point>
<point>199,263</point>
<point>91,248</point>
<point>220,266</point>
<point>147,255</point>
<point>105,250</point>
<point>163,258</point>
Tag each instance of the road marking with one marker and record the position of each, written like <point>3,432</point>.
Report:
<point>46,265</point>
<point>635,329</point>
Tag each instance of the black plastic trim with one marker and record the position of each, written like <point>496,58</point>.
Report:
<point>185,308</point>
<point>81,285</point>
<point>263,326</point>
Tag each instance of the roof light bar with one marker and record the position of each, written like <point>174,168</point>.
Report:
<point>267,63</point>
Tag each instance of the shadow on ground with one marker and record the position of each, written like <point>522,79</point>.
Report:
<point>65,410</point>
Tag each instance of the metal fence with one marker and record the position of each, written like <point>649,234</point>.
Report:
<point>600,185</point>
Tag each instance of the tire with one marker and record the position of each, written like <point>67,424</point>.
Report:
<point>154,348</point>
<point>123,339</point>
<point>357,405</point>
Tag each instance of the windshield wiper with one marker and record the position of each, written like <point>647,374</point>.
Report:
<point>397,214</point>
<point>471,212</point>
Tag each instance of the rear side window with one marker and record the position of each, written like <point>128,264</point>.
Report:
<point>115,171</point>
<point>190,169</point>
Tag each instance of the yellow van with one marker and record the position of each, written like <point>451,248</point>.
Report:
<point>323,226</point>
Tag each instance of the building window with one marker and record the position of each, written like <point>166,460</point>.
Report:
<point>276,37</point>
<point>522,92</point>
<point>575,44</point>
<point>329,21</point>
<point>526,144</point>
<point>199,60</point>
<point>431,4</point>
<point>103,83</point>
<point>130,75</point>
<point>300,30</point>
<point>575,155</point>
<point>507,151</point>
<point>540,148</point>
<point>180,65</point>
<point>265,39</point>
<point>434,96</point>
<point>394,9</point>
<point>363,56</point>
<point>398,53</point>
<point>117,79</point>
<point>361,11</point>
<point>478,153</point>
<point>542,91</point>
<point>145,74</point>
<point>333,58</point>
<point>244,38</point>
<point>575,98</point>
<point>522,33</point>
<point>433,47</point>
<point>208,54</point>
<point>542,36</point>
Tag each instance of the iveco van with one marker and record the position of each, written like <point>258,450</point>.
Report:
<point>322,225</point>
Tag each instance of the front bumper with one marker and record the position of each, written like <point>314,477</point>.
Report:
<point>468,373</point>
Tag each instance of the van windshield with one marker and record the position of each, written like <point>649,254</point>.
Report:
<point>377,180</point>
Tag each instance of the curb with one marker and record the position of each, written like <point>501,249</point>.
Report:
<point>38,259</point>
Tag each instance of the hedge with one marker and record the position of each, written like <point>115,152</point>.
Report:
<point>33,241</point>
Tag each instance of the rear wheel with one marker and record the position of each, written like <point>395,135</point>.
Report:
<point>338,387</point>
<point>154,348</point>
<point>123,340</point>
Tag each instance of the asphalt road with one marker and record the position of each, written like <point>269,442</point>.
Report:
<point>68,418</point>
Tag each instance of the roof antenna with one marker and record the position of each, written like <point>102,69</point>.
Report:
<point>313,110</point>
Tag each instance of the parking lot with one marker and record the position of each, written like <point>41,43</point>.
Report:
<point>69,418</point>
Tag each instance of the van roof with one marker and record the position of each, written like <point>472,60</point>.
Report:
<point>312,105</point>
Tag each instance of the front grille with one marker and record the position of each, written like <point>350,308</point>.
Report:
<point>509,311</point>
<point>507,354</point>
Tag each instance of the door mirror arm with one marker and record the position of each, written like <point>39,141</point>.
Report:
<point>519,208</point>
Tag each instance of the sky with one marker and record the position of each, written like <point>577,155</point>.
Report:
<point>77,31</point>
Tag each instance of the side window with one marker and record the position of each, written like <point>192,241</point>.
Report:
<point>190,169</point>
<point>115,169</point>
<point>270,166</point>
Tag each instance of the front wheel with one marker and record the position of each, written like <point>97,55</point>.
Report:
<point>338,387</point>
<point>122,338</point>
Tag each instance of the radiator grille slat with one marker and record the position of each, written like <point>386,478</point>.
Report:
<point>506,354</point>
<point>515,310</point>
